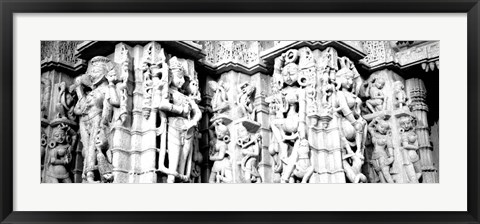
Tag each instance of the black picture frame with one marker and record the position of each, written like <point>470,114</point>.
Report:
<point>9,7</point>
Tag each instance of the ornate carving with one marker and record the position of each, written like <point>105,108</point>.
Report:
<point>95,107</point>
<point>382,156</point>
<point>60,154</point>
<point>183,117</point>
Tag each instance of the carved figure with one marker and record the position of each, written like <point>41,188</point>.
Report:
<point>183,115</point>
<point>66,102</point>
<point>352,163</point>
<point>409,142</point>
<point>60,155</point>
<point>399,94</point>
<point>377,97</point>
<point>299,165</point>
<point>94,107</point>
<point>244,101</point>
<point>219,149</point>
<point>44,97</point>
<point>382,156</point>
<point>347,104</point>
<point>250,147</point>
<point>220,99</point>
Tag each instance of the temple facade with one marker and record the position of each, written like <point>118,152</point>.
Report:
<point>239,111</point>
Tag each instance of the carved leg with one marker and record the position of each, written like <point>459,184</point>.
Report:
<point>369,105</point>
<point>308,174</point>
<point>50,179</point>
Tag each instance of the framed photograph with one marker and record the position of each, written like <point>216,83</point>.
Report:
<point>263,112</point>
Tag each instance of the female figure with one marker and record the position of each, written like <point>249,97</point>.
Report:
<point>347,104</point>
<point>60,156</point>
<point>409,142</point>
<point>94,107</point>
<point>246,91</point>
<point>220,148</point>
<point>250,148</point>
<point>382,156</point>
<point>377,98</point>
<point>183,115</point>
<point>400,95</point>
<point>352,163</point>
<point>220,98</point>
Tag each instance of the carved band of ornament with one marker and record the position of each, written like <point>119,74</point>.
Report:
<point>429,169</point>
<point>425,147</point>
<point>133,132</point>
<point>324,171</point>
<point>328,151</point>
<point>134,172</point>
<point>327,130</point>
<point>420,108</point>
<point>126,151</point>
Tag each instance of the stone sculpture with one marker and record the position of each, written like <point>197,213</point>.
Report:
<point>95,107</point>
<point>409,143</point>
<point>183,117</point>
<point>60,154</point>
<point>382,155</point>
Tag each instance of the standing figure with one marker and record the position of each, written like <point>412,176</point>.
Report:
<point>250,147</point>
<point>347,105</point>
<point>409,142</point>
<point>382,156</point>
<point>220,97</point>
<point>219,149</point>
<point>94,107</point>
<point>183,116</point>
<point>244,101</point>
<point>65,104</point>
<point>377,97</point>
<point>299,166</point>
<point>60,155</point>
<point>399,94</point>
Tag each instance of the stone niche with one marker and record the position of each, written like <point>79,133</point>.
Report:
<point>238,112</point>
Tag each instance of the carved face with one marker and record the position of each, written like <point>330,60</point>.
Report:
<point>380,83</point>
<point>101,139</point>
<point>406,123</point>
<point>382,127</point>
<point>221,131</point>
<point>247,89</point>
<point>97,73</point>
<point>289,74</point>
<point>193,87</point>
<point>243,135</point>
<point>178,78</point>
<point>59,136</point>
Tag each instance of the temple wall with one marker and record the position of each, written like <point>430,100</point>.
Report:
<point>264,111</point>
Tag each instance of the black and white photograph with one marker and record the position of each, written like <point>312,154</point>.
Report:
<point>240,112</point>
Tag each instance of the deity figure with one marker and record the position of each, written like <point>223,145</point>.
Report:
<point>250,145</point>
<point>220,97</point>
<point>60,155</point>
<point>226,174</point>
<point>94,107</point>
<point>244,101</point>
<point>66,102</point>
<point>183,115</point>
<point>347,104</point>
<point>382,156</point>
<point>399,94</point>
<point>299,166</point>
<point>409,142</point>
<point>219,149</point>
<point>377,97</point>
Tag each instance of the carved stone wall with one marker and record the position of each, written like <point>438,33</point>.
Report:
<point>237,112</point>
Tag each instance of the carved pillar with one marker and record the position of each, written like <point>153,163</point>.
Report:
<point>417,93</point>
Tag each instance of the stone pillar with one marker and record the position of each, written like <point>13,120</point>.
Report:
<point>417,94</point>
